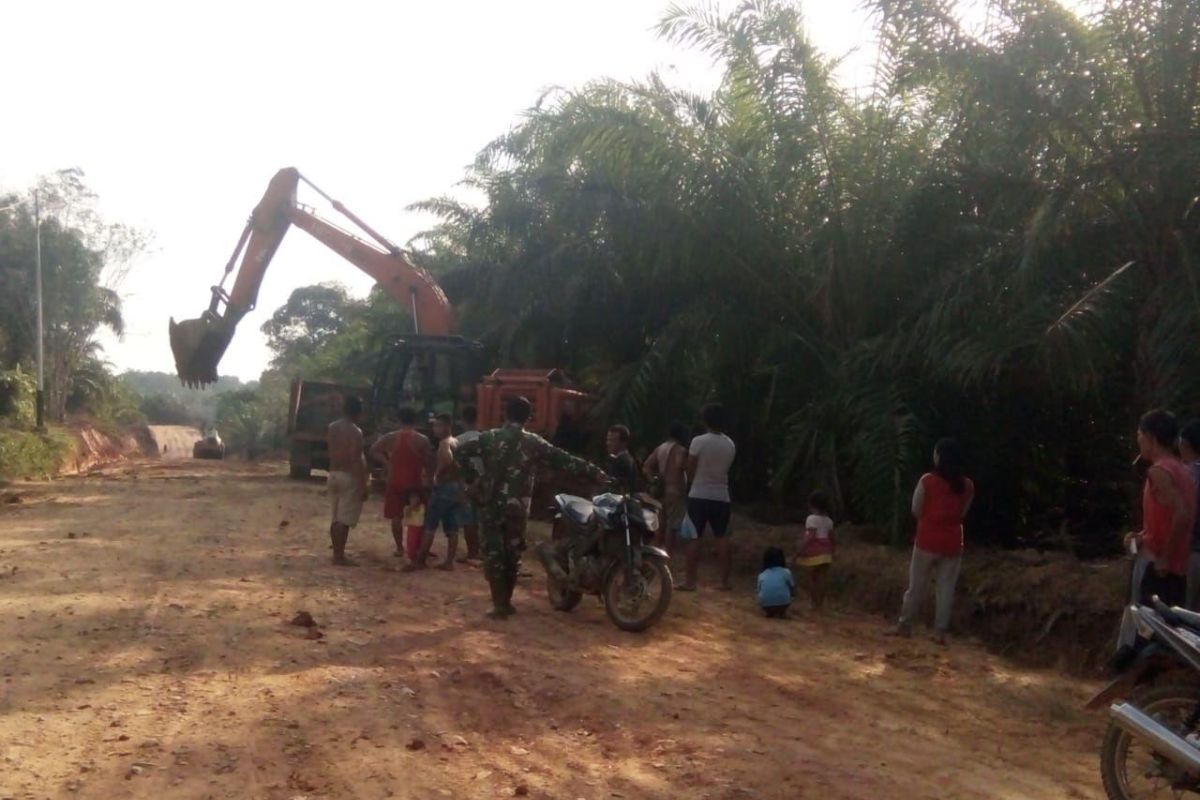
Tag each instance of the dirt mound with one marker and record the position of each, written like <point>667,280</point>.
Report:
<point>167,441</point>
<point>95,448</point>
<point>1042,609</point>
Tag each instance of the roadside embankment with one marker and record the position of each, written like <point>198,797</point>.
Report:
<point>82,446</point>
<point>29,454</point>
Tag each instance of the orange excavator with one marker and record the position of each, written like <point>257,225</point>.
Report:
<point>431,369</point>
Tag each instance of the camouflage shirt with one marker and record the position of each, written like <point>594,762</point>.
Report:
<point>509,456</point>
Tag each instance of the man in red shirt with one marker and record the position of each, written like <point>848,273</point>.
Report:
<point>1168,511</point>
<point>408,456</point>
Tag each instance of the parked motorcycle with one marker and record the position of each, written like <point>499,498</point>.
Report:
<point>1152,745</point>
<point>602,547</point>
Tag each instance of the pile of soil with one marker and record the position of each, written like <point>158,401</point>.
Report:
<point>167,441</point>
<point>95,448</point>
<point>1040,609</point>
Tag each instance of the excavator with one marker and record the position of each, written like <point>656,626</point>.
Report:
<point>431,369</point>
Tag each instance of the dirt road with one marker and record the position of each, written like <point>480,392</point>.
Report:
<point>146,652</point>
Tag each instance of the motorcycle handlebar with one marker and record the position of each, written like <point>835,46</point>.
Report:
<point>1164,610</point>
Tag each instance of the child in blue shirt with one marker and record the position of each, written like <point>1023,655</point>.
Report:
<point>776,587</point>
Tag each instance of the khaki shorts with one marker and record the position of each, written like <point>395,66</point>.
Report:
<point>345,498</point>
<point>674,508</point>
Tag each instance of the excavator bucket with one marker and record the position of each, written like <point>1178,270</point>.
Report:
<point>198,345</point>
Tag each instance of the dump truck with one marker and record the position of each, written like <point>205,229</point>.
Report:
<point>312,405</point>
<point>210,446</point>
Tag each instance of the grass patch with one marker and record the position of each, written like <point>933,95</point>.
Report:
<point>29,454</point>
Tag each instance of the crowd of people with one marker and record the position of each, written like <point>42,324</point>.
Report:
<point>940,503</point>
<point>481,483</point>
<point>1166,550</point>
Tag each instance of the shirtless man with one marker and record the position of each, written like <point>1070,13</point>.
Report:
<point>448,497</point>
<point>470,520</point>
<point>668,465</point>
<point>347,481</point>
<point>406,452</point>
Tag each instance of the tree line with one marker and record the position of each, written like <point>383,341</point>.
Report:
<point>84,260</point>
<point>996,241</point>
<point>993,242</point>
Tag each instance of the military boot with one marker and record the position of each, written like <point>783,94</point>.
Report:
<point>501,601</point>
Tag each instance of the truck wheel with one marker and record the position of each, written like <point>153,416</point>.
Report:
<point>299,472</point>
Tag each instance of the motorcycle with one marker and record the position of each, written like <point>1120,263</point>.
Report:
<point>1152,744</point>
<point>601,547</point>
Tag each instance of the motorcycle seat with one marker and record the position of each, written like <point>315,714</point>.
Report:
<point>576,509</point>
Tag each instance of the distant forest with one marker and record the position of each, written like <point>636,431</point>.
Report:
<point>165,401</point>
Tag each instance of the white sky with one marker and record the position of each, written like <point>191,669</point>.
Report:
<point>180,113</point>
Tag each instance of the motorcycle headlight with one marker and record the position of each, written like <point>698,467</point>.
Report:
<point>650,520</point>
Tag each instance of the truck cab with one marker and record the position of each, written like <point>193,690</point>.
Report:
<point>434,375</point>
<point>312,405</point>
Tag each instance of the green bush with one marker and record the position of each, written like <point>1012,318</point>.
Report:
<point>28,454</point>
<point>18,394</point>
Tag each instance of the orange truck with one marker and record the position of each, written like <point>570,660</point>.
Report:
<point>431,369</point>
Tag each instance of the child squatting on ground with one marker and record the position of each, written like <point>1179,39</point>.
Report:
<point>816,547</point>
<point>776,588</point>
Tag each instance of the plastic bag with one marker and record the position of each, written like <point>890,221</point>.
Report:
<point>687,528</point>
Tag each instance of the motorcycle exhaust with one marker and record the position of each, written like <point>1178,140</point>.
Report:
<point>1167,743</point>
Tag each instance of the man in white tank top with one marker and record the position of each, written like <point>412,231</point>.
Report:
<point>709,459</point>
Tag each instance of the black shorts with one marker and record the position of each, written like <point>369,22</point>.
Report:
<point>709,513</point>
<point>1171,589</point>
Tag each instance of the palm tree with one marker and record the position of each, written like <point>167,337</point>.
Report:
<point>963,250</point>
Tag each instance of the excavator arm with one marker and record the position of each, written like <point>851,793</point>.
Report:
<point>198,344</point>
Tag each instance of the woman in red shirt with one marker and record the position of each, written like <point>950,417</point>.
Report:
<point>941,500</point>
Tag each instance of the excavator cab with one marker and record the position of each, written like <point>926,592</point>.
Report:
<point>432,374</point>
<point>442,374</point>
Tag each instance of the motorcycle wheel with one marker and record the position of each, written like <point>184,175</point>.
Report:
<point>1129,768</point>
<point>635,619</point>
<point>561,598</point>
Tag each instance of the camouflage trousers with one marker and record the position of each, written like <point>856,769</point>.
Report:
<point>502,541</point>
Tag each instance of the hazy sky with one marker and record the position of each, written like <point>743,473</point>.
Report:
<point>180,113</point>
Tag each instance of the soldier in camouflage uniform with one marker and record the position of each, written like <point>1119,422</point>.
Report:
<point>503,493</point>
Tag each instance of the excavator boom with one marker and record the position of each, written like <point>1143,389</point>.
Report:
<point>198,344</point>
